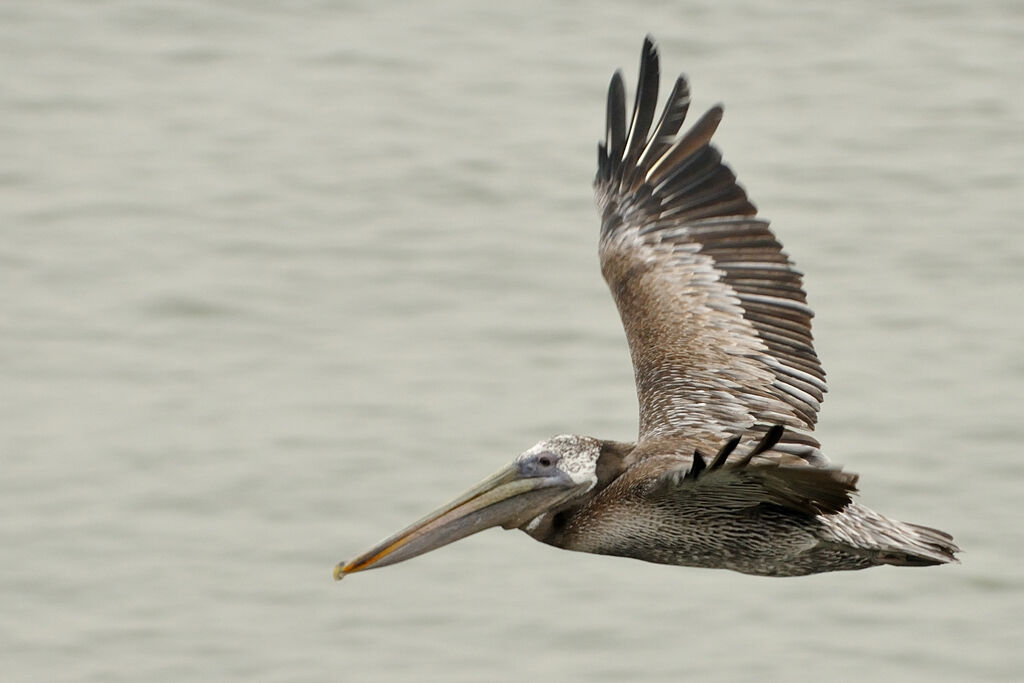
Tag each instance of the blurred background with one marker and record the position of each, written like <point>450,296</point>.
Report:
<point>278,278</point>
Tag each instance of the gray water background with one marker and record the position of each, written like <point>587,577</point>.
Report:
<point>277,278</point>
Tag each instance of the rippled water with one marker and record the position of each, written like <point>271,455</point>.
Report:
<point>277,279</point>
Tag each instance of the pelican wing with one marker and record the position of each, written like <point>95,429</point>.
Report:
<point>728,481</point>
<point>675,492</point>
<point>714,312</point>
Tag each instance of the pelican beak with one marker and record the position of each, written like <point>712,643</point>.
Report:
<point>508,498</point>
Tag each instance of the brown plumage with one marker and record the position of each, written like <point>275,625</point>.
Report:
<point>726,471</point>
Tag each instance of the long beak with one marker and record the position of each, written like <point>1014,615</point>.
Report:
<point>507,498</point>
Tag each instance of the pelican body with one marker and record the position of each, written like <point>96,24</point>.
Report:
<point>726,472</point>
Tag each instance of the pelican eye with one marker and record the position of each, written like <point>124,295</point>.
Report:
<point>540,464</point>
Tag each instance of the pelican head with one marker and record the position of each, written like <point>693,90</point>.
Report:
<point>544,479</point>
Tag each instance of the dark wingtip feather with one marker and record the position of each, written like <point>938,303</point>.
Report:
<point>644,104</point>
<point>698,466</point>
<point>615,129</point>
<point>771,437</point>
<point>724,453</point>
<point>767,442</point>
<point>698,136</point>
<point>672,117</point>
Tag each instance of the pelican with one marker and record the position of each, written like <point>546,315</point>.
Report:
<point>725,472</point>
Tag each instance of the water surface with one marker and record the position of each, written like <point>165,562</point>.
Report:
<point>276,281</point>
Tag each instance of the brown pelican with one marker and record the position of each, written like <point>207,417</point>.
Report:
<point>725,472</point>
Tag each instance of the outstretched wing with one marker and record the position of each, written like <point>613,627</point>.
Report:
<point>715,314</point>
<point>760,476</point>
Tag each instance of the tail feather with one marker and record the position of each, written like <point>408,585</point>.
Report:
<point>921,546</point>
<point>890,541</point>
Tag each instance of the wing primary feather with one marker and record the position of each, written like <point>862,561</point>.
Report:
<point>771,437</point>
<point>768,441</point>
<point>695,138</point>
<point>671,121</point>
<point>698,466</point>
<point>602,162</point>
<point>724,453</point>
<point>615,135</point>
<point>643,109</point>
